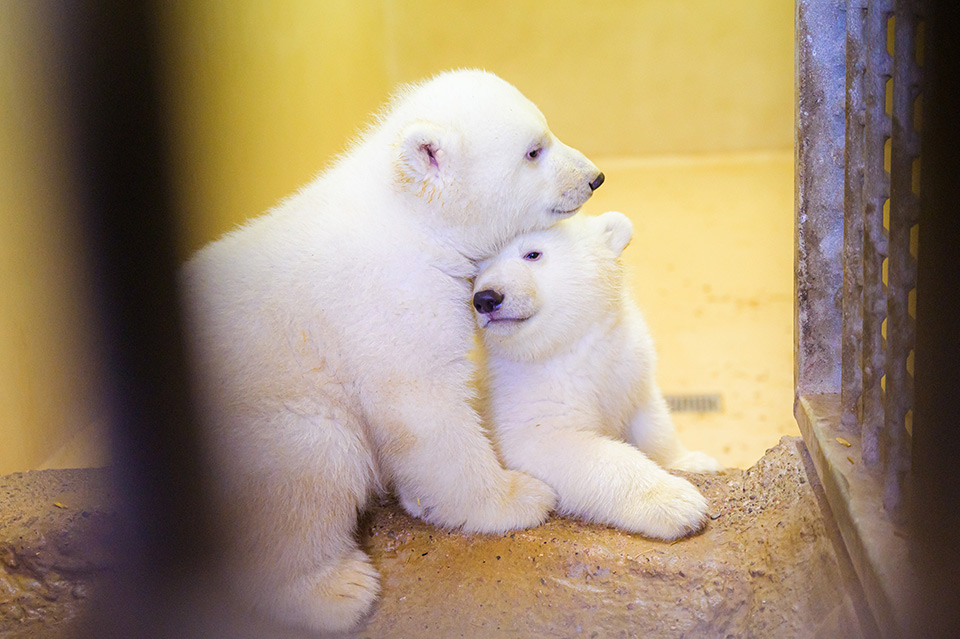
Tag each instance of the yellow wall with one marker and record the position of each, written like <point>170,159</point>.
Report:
<point>47,369</point>
<point>262,93</point>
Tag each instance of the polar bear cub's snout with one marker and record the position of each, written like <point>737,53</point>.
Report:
<point>487,301</point>
<point>507,294</point>
<point>583,177</point>
<point>597,181</point>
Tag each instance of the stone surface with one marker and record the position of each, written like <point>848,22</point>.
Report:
<point>765,566</point>
<point>55,542</point>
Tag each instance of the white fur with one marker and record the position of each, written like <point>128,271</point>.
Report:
<point>571,381</point>
<point>332,335</point>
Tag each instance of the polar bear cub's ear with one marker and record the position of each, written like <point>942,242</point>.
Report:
<point>616,230</point>
<point>425,153</point>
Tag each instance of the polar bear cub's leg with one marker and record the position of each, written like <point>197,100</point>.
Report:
<point>297,501</point>
<point>511,500</point>
<point>446,472</point>
<point>652,431</point>
<point>604,480</point>
<point>335,597</point>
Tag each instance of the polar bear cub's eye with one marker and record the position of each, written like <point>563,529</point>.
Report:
<point>532,256</point>
<point>534,153</point>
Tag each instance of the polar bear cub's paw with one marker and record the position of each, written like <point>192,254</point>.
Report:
<point>334,599</point>
<point>524,502</point>
<point>696,462</point>
<point>671,508</point>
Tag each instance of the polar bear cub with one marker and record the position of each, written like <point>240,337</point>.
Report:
<point>571,380</point>
<point>331,343</point>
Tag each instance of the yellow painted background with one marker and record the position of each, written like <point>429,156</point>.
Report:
<point>263,93</point>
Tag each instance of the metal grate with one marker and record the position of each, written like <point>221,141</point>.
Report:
<point>867,93</point>
<point>881,215</point>
<point>858,205</point>
<point>694,403</point>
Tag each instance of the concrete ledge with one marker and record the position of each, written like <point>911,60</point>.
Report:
<point>878,550</point>
<point>765,566</point>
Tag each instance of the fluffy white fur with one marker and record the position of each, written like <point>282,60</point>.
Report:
<point>332,336</point>
<point>571,381</point>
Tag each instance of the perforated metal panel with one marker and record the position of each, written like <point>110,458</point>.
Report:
<point>881,210</point>
<point>859,70</point>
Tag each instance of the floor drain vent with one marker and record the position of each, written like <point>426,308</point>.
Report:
<point>693,403</point>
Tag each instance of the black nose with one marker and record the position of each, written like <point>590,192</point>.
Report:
<point>487,301</point>
<point>597,181</point>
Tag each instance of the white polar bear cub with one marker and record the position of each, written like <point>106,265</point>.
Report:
<point>571,380</point>
<point>332,338</point>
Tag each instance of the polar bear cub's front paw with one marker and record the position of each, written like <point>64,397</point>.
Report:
<point>671,508</point>
<point>696,462</point>
<point>523,502</point>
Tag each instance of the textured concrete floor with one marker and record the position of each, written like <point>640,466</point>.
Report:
<point>766,566</point>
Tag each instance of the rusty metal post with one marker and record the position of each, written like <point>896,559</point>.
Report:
<point>901,270</point>
<point>851,352</point>
<point>876,190</point>
<point>819,196</point>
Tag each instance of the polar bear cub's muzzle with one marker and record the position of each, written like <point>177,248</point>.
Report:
<point>501,308</point>
<point>582,178</point>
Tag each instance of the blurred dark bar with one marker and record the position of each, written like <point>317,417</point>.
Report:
<point>936,438</point>
<point>111,86</point>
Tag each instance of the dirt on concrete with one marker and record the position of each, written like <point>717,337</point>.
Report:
<point>56,542</point>
<point>767,565</point>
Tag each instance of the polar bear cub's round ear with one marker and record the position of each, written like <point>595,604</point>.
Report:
<point>425,153</point>
<point>616,230</point>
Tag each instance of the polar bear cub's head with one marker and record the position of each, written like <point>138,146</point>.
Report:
<point>478,155</point>
<point>546,289</point>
